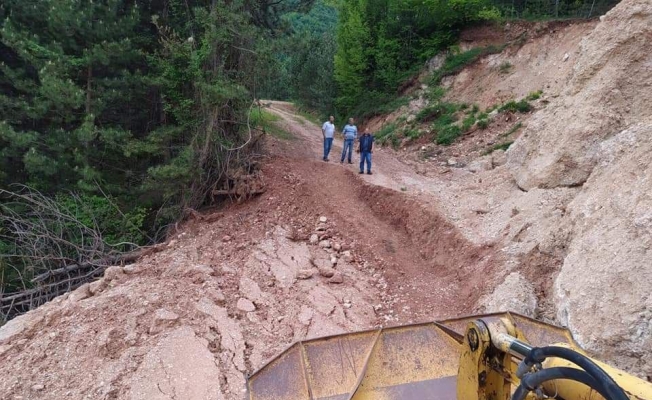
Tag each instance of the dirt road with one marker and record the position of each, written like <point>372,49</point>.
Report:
<point>431,269</point>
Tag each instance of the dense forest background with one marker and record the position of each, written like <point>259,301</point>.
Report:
<point>118,117</point>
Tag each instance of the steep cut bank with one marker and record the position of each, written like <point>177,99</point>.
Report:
<point>598,136</point>
<point>568,205</point>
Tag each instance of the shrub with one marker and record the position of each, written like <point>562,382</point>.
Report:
<point>447,135</point>
<point>475,109</point>
<point>385,134</point>
<point>516,106</point>
<point>468,123</point>
<point>505,67</point>
<point>435,111</point>
<point>483,124</point>
<point>534,95</point>
<point>499,146</point>
<point>456,62</point>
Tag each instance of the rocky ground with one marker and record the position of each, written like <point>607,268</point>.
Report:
<point>558,227</point>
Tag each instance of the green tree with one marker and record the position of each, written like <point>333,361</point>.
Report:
<point>352,57</point>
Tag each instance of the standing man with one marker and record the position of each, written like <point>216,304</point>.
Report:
<point>366,148</point>
<point>350,132</point>
<point>328,131</point>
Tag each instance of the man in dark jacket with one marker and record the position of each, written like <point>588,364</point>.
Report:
<point>366,148</point>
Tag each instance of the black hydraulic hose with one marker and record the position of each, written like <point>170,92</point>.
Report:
<point>611,388</point>
<point>536,379</point>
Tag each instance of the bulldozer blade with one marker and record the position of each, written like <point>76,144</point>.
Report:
<point>407,362</point>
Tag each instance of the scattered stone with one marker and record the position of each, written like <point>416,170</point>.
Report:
<point>216,295</point>
<point>323,219</point>
<point>245,305</point>
<point>566,57</point>
<point>305,274</point>
<point>347,256</point>
<point>314,239</point>
<point>250,289</point>
<point>97,287</point>
<point>334,261</point>
<point>321,263</point>
<point>226,238</point>
<point>481,164</point>
<point>162,318</point>
<point>130,269</point>
<point>327,272</point>
<point>337,278</point>
<point>325,244</point>
<point>113,273</point>
<point>320,228</point>
<point>337,247</point>
<point>498,158</point>
<point>82,292</point>
<point>452,162</point>
<point>172,243</point>
<point>37,387</point>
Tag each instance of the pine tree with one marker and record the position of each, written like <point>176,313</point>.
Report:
<point>351,59</point>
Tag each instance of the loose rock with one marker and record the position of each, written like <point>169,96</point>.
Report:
<point>325,244</point>
<point>305,274</point>
<point>245,305</point>
<point>337,278</point>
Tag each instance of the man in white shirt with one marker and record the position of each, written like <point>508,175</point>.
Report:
<point>328,131</point>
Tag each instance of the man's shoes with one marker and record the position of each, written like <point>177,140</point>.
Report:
<point>325,159</point>
<point>361,172</point>
<point>342,162</point>
<point>369,173</point>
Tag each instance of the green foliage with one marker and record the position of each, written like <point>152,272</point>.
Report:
<point>437,110</point>
<point>455,62</point>
<point>513,129</point>
<point>381,43</point>
<point>483,123</point>
<point>505,67</point>
<point>534,95</point>
<point>267,122</point>
<point>521,106</point>
<point>102,212</point>
<point>468,123</point>
<point>500,146</point>
<point>448,134</point>
<point>386,134</point>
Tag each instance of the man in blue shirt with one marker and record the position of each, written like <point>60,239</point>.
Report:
<point>366,148</point>
<point>350,133</point>
<point>328,131</point>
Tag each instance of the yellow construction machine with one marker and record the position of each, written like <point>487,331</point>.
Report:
<point>490,357</point>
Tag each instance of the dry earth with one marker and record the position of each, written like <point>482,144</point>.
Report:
<point>559,227</point>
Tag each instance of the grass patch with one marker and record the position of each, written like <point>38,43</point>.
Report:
<point>483,124</point>
<point>412,133</point>
<point>505,67</point>
<point>468,122</point>
<point>521,106</point>
<point>386,134</point>
<point>534,95</point>
<point>266,121</point>
<point>435,111</point>
<point>448,134</point>
<point>376,103</point>
<point>500,146</point>
<point>309,115</point>
<point>456,62</point>
<point>513,129</point>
